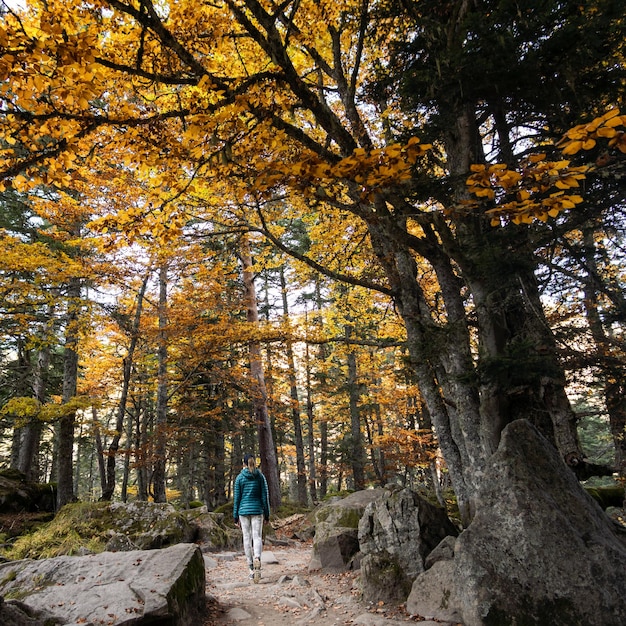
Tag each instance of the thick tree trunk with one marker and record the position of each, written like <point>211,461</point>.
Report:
<point>30,436</point>
<point>425,344</point>
<point>267,451</point>
<point>24,367</point>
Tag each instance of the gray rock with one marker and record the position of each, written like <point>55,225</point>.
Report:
<point>209,563</point>
<point>443,552</point>
<point>16,613</point>
<point>396,532</point>
<point>539,550</point>
<point>289,601</point>
<point>435,594</point>
<point>336,542</point>
<point>268,558</point>
<point>237,614</point>
<point>125,587</point>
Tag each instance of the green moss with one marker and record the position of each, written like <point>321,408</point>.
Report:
<point>225,509</point>
<point>606,496</point>
<point>188,589</point>
<point>287,509</point>
<point>83,525</point>
<point>350,518</point>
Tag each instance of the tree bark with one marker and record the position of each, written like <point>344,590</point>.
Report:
<point>65,450</point>
<point>160,424</point>
<point>30,435</point>
<point>295,400</point>
<point>355,449</point>
<point>310,427</point>
<point>127,366</point>
<point>267,451</point>
<point>610,364</point>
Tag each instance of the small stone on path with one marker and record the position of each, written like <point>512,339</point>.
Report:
<point>238,614</point>
<point>268,558</point>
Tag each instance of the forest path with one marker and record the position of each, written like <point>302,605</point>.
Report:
<point>288,594</point>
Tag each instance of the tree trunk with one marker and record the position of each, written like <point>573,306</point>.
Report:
<point>127,366</point>
<point>28,459</point>
<point>141,460</point>
<point>310,428</point>
<point>259,392</point>
<point>65,451</point>
<point>99,449</point>
<point>127,453</point>
<point>356,450</point>
<point>160,425</point>
<point>295,400</point>
<point>24,367</point>
<point>609,363</point>
<point>323,424</point>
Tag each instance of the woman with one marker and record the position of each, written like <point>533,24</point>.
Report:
<point>250,508</point>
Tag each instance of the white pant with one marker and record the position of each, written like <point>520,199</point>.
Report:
<point>252,528</point>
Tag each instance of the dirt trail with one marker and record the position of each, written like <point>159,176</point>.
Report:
<point>288,594</point>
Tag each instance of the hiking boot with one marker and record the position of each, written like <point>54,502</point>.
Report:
<point>257,570</point>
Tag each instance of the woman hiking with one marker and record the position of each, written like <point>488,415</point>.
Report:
<point>250,509</point>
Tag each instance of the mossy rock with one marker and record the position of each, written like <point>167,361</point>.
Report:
<point>94,527</point>
<point>346,512</point>
<point>18,495</point>
<point>608,496</point>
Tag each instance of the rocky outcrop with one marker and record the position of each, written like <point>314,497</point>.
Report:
<point>336,542</point>
<point>396,533</point>
<point>539,550</point>
<point>123,588</point>
<point>84,527</point>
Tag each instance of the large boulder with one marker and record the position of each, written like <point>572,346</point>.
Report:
<point>117,588</point>
<point>336,541</point>
<point>396,533</point>
<point>539,550</point>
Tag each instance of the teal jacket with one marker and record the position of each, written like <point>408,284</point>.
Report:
<point>251,494</point>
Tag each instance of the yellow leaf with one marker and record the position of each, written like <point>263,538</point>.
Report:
<point>590,143</point>
<point>610,114</point>
<point>606,132</point>
<point>573,147</point>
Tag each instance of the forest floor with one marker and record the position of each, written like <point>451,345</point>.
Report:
<point>288,594</point>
